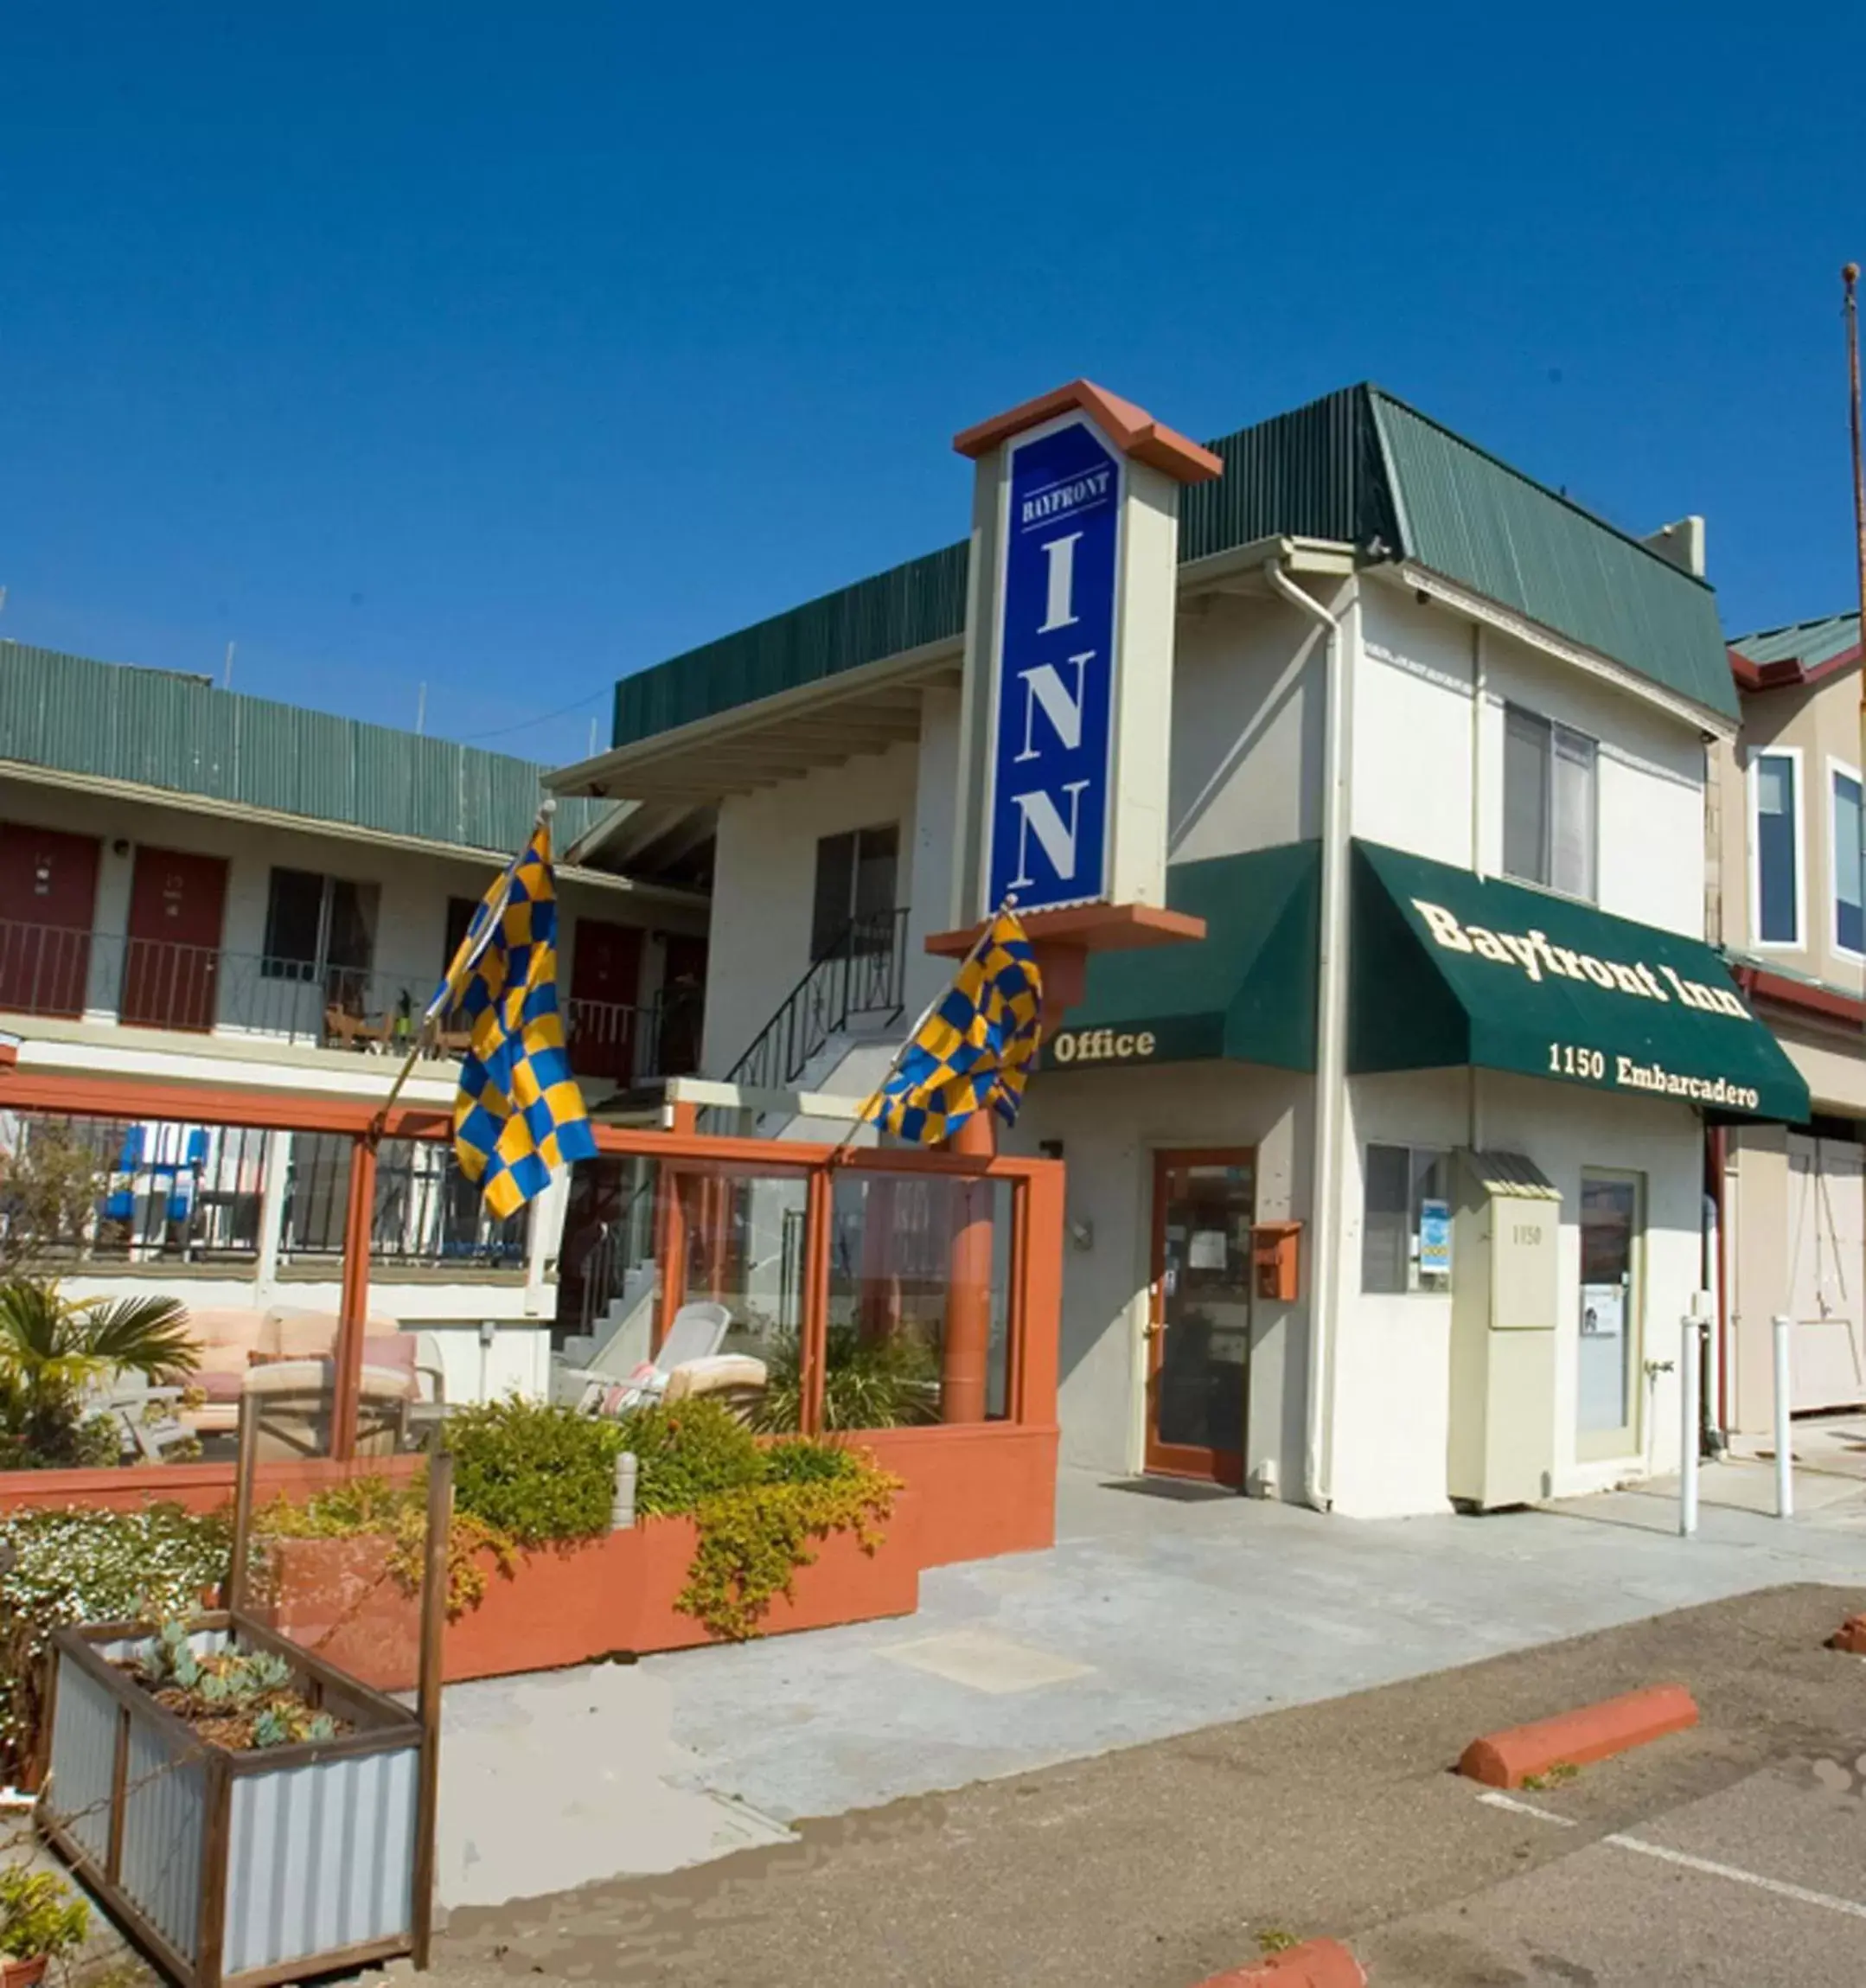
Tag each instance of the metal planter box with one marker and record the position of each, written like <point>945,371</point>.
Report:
<point>237,1869</point>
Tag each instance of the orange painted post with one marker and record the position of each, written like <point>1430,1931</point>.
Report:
<point>814,1337</point>
<point>965,1367</point>
<point>346,1367</point>
<point>1036,1316</point>
<point>879,1314</point>
<point>670,1249</point>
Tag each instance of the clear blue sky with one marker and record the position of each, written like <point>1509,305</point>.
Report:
<point>512,349</point>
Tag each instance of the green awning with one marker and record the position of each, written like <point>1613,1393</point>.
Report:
<point>1448,969</point>
<point>1246,991</point>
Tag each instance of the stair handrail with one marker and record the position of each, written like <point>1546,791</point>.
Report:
<point>822,1003</point>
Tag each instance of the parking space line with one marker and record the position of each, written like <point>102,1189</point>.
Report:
<point>1493,1798</point>
<point>1800,1894</point>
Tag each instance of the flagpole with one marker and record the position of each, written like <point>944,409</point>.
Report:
<point>906,1041</point>
<point>546,808</point>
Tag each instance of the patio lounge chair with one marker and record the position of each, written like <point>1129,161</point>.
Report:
<point>697,1334</point>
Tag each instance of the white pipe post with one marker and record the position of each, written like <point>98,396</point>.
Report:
<point>1688,1424</point>
<point>1785,1457</point>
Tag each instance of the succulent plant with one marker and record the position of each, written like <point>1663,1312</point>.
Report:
<point>322,1726</point>
<point>270,1729</point>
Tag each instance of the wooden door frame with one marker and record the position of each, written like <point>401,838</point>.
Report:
<point>1182,1460</point>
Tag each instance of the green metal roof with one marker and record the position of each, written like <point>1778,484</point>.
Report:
<point>155,728</point>
<point>1356,466</point>
<point>1476,521</point>
<point>1808,643</point>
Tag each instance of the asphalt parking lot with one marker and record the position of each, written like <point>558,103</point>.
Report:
<point>1732,1854</point>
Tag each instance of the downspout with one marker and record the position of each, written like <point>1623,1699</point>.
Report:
<point>1331,1046</point>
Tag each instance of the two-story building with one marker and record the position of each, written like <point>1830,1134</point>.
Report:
<point>1387,1192</point>
<point>1789,909</point>
<point>234,895</point>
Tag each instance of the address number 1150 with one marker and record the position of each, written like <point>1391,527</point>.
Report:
<point>1565,1060</point>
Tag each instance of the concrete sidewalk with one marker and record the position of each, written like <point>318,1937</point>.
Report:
<point>1162,1609</point>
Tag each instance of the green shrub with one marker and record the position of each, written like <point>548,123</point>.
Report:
<point>39,1914</point>
<point>867,1383</point>
<point>686,1452</point>
<point>397,1513</point>
<point>534,1472</point>
<point>90,1566</point>
<point>753,1540</point>
<point>800,1461</point>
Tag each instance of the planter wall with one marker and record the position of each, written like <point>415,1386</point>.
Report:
<point>236,1870</point>
<point>568,1605</point>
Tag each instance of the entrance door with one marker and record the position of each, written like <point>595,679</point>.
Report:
<point>1612,1339</point>
<point>48,894</point>
<point>605,986</point>
<point>1199,1335</point>
<point>172,960</point>
<point>683,1003</point>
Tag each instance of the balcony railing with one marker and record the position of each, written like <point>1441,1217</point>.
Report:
<point>860,980</point>
<point>151,983</point>
<point>162,1191</point>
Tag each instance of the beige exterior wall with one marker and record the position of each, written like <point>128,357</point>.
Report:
<point>1820,725</point>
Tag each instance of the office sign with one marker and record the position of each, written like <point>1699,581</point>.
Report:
<point>1050,747</point>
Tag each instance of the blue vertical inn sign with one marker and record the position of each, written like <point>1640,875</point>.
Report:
<point>1053,731</point>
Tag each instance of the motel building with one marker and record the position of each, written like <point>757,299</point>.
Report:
<point>1352,787</point>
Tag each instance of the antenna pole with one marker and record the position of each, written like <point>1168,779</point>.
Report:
<point>421,711</point>
<point>226,669</point>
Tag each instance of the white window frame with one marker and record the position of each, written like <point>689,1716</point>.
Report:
<point>1798,944</point>
<point>1839,769</point>
<point>1592,896</point>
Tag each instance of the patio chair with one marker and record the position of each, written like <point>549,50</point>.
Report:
<point>697,1334</point>
<point>148,1419</point>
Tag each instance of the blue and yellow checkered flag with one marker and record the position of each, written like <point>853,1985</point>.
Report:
<point>972,1048</point>
<point>519,1115</point>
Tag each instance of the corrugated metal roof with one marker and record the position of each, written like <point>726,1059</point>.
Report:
<point>110,721</point>
<point>904,609</point>
<point>1512,1173</point>
<point>1475,520</point>
<point>1358,467</point>
<point>1808,643</point>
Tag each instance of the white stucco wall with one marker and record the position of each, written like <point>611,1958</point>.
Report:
<point>1392,1353</point>
<point>1247,698</point>
<point>764,881</point>
<point>1417,763</point>
<point>1111,1122</point>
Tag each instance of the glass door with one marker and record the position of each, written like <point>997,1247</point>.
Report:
<point>1198,1327</point>
<point>1612,1339</point>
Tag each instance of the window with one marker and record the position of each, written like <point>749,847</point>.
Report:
<point>319,926</point>
<point>855,881</point>
<point>1850,899</point>
<point>1774,779</point>
<point>1548,804</point>
<point>1400,1181</point>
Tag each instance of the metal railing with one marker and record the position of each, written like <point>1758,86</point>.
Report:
<point>861,978</point>
<point>151,983</point>
<point>622,1245</point>
<point>164,1191</point>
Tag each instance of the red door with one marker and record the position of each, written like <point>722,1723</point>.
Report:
<point>172,959</point>
<point>48,893</point>
<point>605,982</point>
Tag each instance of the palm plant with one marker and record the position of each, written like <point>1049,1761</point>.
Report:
<point>55,1350</point>
<point>867,1383</point>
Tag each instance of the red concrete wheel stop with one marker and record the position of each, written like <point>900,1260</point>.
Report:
<point>1850,1636</point>
<point>1505,1760</point>
<point>1314,1964</point>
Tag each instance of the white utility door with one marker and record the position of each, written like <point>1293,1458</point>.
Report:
<point>1827,1253</point>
